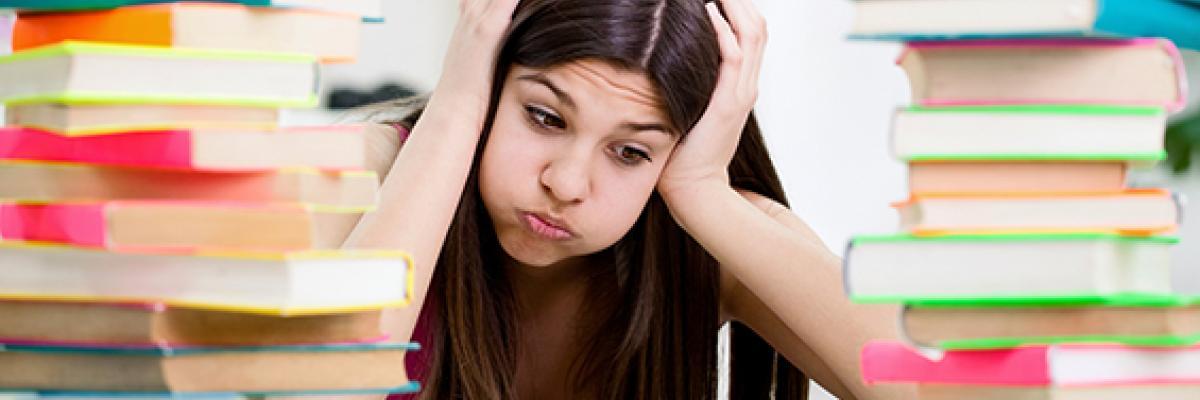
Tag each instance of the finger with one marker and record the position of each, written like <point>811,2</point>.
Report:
<point>731,54</point>
<point>754,49</point>
<point>720,110</point>
<point>750,28</point>
<point>736,13</point>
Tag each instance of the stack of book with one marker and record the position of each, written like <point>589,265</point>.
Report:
<point>160,234</point>
<point>1026,266</point>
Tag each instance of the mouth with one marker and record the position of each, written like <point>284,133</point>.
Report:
<point>545,226</point>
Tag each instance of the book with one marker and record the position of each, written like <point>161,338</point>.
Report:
<point>1164,321</point>
<point>174,225</point>
<point>1139,211</point>
<point>6,25</point>
<point>340,147</point>
<point>81,72</point>
<point>1145,72</point>
<point>229,369</point>
<point>1059,365</point>
<point>361,394</point>
<point>367,394</point>
<point>370,10</point>
<point>155,325</point>
<point>102,119</point>
<point>1029,132</point>
<point>284,283</point>
<point>920,20</point>
<point>331,37</point>
<point>1034,267</point>
<point>976,177</point>
<point>65,182</point>
<point>1099,392</point>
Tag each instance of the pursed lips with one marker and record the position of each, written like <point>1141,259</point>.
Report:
<point>546,226</point>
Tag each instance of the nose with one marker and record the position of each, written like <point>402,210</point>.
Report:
<point>566,177</point>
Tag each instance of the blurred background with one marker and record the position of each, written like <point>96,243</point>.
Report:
<point>825,107</point>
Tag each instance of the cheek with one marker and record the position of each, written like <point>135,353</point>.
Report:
<point>618,204</point>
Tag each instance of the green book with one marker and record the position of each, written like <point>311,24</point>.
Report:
<point>95,73</point>
<point>1134,320</point>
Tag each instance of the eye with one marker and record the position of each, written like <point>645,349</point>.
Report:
<point>544,118</point>
<point>630,155</point>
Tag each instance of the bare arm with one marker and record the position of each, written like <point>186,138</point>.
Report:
<point>792,284</point>
<point>835,328</point>
<point>423,185</point>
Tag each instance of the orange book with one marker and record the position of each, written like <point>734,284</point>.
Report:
<point>1013,177</point>
<point>332,37</point>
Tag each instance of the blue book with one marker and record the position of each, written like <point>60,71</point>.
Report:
<point>936,20</point>
<point>370,10</point>
<point>205,372</point>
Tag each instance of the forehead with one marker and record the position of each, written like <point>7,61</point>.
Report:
<point>584,79</point>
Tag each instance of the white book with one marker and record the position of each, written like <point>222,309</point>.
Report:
<point>1018,267</point>
<point>1072,132</point>
<point>303,282</point>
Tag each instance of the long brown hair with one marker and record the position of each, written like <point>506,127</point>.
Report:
<point>655,313</point>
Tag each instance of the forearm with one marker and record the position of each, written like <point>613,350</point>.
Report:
<point>793,274</point>
<point>419,196</point>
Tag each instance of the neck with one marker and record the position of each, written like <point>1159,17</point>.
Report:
<point>538,289</point>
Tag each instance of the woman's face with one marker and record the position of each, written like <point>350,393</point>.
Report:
<point>574,154</point>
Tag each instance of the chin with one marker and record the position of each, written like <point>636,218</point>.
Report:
<point>530,254</point>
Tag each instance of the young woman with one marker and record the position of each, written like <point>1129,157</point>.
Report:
<point>588,199</point>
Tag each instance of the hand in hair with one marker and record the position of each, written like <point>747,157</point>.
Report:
<point>703,157</point>
<point>477,37</point>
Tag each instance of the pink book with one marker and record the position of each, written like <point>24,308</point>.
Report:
<point>1061,71</point>
<point>1059,365</point>
<point>180,225</point>
<point>328,148</point>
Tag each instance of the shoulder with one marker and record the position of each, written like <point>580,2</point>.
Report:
<point>383,142</point>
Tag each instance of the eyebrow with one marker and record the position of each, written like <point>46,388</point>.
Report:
<point>558,92</point>
<point>569,102</point>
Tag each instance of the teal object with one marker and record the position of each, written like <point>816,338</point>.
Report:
<point>1176,20</point>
